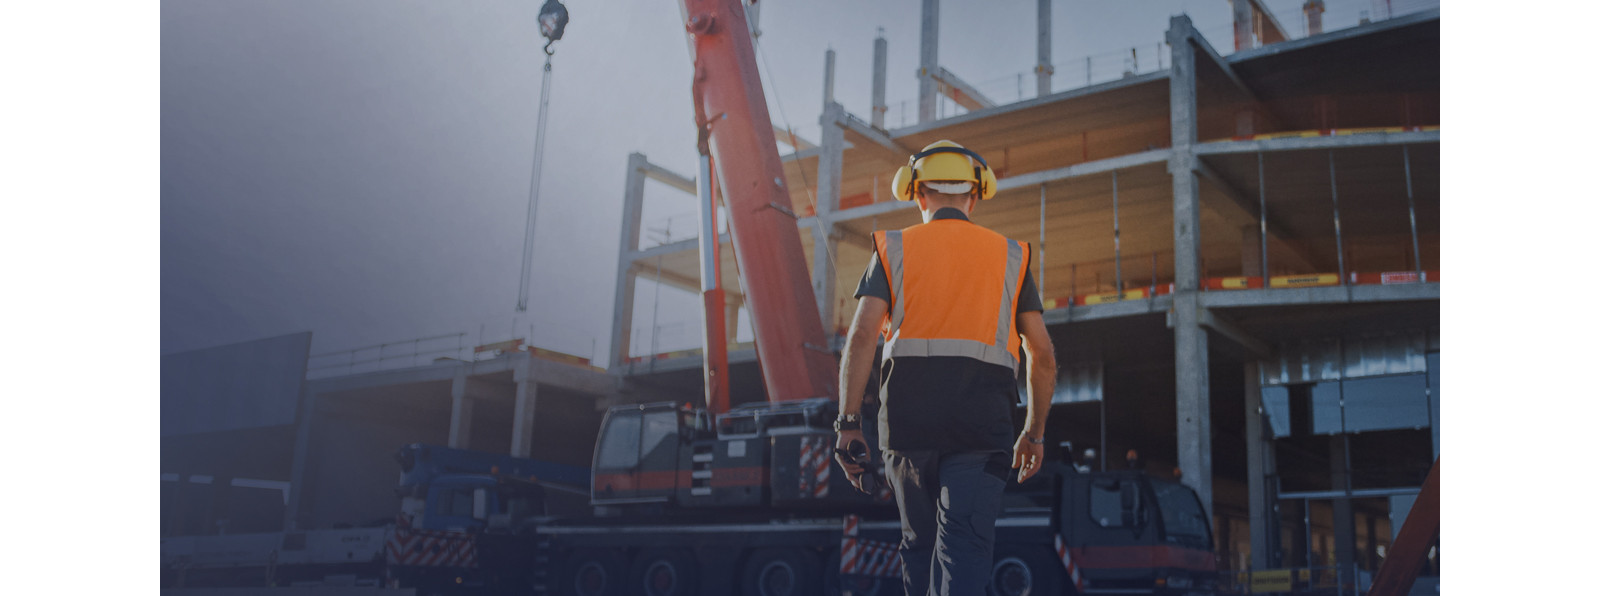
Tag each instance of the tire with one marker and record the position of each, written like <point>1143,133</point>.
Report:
<point>1027,572</point>
<point>780,572</point>
<point>834,584</point>
<point>594,573</point>
<point>661,572</point>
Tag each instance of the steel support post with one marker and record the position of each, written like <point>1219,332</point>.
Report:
<point>460,410</point>
<point>1192,359</point>
<point>824,237</point>
<point>1344,521</point>
<point>522,414</point>
<point>1261,183</point>
<point>927,87</point>
<point>1338,231</point>
<point>622,309</point>
<point>1116,234</point>
<point>1043,70</point>
<point>880,80</point>
<point>1411,207</point>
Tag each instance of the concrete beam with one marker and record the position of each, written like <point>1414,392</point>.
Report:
<point>1101,166</point>
<point>1247,209</point>
<point>690,245</point>
<point>1225,327</point>
<point>788,137</point>
<point>1321,295</point>
<point>961,92</point>
<point>1199,42</point>
<point>864,136</point>
<point>1092,312</point>
<point>1067,95</point>
<point>1336,36</point>
<point>1369,139</point>
<point>669,177</point>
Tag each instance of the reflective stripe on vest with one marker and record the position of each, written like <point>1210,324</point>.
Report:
<point>996,349</point>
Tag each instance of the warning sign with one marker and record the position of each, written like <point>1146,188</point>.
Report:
<point>1276,580</point>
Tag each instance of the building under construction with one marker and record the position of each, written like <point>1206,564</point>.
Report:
<point>1237,246</point>
<point>1239,256</point>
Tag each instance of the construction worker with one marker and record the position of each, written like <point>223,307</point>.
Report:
<point>958,309</point>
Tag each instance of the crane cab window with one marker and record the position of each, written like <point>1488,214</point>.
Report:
<point>619,448</point>
<point>454,502</point>
<point>1114,503</point>
<point>659,426</point>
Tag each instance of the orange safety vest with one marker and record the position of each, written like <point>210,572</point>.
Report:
<point>953,289</point>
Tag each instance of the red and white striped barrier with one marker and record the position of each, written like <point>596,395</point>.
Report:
<point>873,558</point>
<point>1066,561</point>
<point>430,548</point>
<point>814,466</point>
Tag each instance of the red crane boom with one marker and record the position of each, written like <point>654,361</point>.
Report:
<point>796,360</point>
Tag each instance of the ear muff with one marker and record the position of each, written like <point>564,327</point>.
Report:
<point>905,180</point>
<point>987,184</point>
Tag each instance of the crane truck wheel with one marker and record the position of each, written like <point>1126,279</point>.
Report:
<point>834,584</point>
<point>780,572</point>
<point>662,572</point>
<point>1026,572</point>
<point>594,573</point>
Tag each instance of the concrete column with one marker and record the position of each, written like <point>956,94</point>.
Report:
<point>880,79</point>
<point>622,309</point>
<point>1259,469</point>
<point>827,77</point>
<point>460,410</point>
<point>1243,25</point>
<point>1192,358</point>
<point>825,240</point>
<point>927,88</point>
<point>522,413</point>
<point>1044,69</point>
<point>1344,521</point>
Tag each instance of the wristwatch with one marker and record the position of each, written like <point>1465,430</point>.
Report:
<point>847,422</point>
<point>1038,441</point>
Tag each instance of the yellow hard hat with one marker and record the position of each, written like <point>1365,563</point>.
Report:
<point>944,161</point>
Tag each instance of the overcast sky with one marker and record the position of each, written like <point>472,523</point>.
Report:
<point>360,168</point>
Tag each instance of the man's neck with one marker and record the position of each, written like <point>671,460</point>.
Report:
<point>946,212</point>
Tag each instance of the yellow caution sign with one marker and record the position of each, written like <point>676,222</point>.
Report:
<point>1274,580</point>
<point>1301,281</point>
<point>1110,297</point>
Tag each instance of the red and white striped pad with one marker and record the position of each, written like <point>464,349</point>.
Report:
<point>1066,560</point>
<point>872,558</point>
<point>431,548</point>
<point>814,466</point>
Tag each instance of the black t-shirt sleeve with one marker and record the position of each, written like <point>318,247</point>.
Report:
<point>874,282</point>
<point>1029,301</point>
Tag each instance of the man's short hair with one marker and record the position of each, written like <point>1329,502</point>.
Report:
<point>926,191</point>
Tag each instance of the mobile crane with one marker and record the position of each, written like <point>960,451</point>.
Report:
<point>747,500</point>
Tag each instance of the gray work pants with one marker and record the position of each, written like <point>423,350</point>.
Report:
<point>948,505</point>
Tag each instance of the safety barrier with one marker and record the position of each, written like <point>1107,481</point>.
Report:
<point>1297,581</point>
<point>1246,282</point>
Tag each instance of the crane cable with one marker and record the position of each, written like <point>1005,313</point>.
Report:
<point>805,182</point>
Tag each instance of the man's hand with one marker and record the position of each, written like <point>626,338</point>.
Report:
<point>1027,456</point>
<point>843,444</point>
